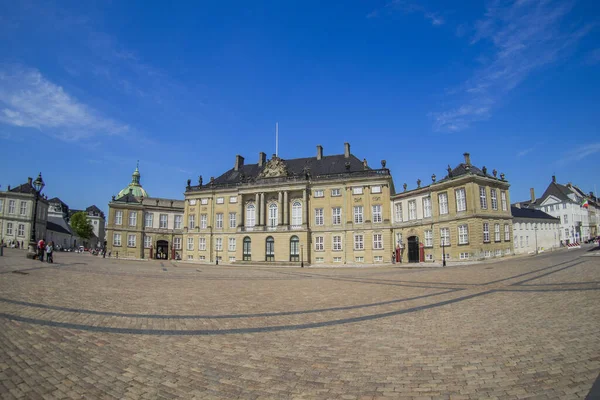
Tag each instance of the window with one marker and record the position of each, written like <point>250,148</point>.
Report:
<point>427,207</point>
<point>296,213</point>
<point>358,214</point>
<point>250,215</point>
<point>494,199</point>
<point>11,206</point>
<point>445,236</point>
<point>335,192</point>
<point>503,199</point>
<point>429,257</point>
<point>337,259</point>
<point>506,233</point>
<point>496,232</point>
<point>219,221</point>
<point>118,217</point>
<point>132,218</point>
<point>232,223</point>
<point>378,259</point>
<point>23,208</point>
<point>443,200</point>
<point>191,221</point>
<point>202,243</point>
<point>336,215</point>
<point>359,259</point>
<point>116,239</point>
<point>204,201</point>
<point>190,245</point>
<point>1,206</point>
<point>148,220</point>
<point>319,219</point>
<point>463,234</point>
<point>270,249</point>
<point>552,207</point>
<point>567,233</point>
<point>357,190</point>
<point>486,232</point>
<point>130,240</point>
<point>377,241</point>
<point>377,213</point>
<point>220,200</point>
<point>464,256</point>
<point>319,193</point>
<point>247,249</point>
<point>564,206</point>
<point>273,215</point>
<point>231,244</point>
<point>359,243</point>
<point>461,200</point>
<point>147,242</point>
<point>398,238</point>
<point>21,230</point>
<point>337,243</point>
<point>319,246</point>
<point>203,221</point>
<point>233,199</point>
<point>412,210</point>
<point>9,228</point>
<point>482,197</point>
<point>177,243</point>
<point>163,221</point>
<point>294,248</point>
<point>428,238</point>
<point>219,244</point>
<point>565,219</point>
<point>398,212</point>
<point>375,189</point>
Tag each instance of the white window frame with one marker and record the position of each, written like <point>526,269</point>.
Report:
<point>250,215</point>
<point>445,237</point>
<point>21,230</point>
<point>219,244</point>
<point>429,238</point>
<point>357,190</point>
<point>319,216</point>
<point>273,215</point>
<point>204,201</point>
<point>496,232</point>
<point>296,213</point>
<point>427,207</point>
<point>177,221</point>
<point>461,200</point>
<point>358,214</point>
<point>220,200</point>
<point>486,232</point>
<point>503,200</point>
<point>190,243</point>
<point>203,221</point>
<point>147,242</point>
<point>483,197</point>
<point>412,210</point>
<point>336,216</point>
<point>443,201</point>
<point>319,243</point>
<point>377,241</point>
<point>377,213</point>
<point>192,221</point>
<point>219,221</point>
<point>336,242</point>
<point>11,206</point>
<point>116,239</point>
<point>148,220</point>
<point>119,217</point>
<point>506,233</point>
<point>375,189</point>
<point>494,199</point>
<point>177,243</point>
<point>319,193</point>
<point>232,199</point>
<point>232,220</point>
<point>163,221</point>
<point>131,240</point>
<point>202,243</point>
<point>463,234</point>
<point>359,242</point>
<point>335,193</point>
<point>23,208</point>
<point>398,212</point>
<point>132,219</point>
<point>231,244</point>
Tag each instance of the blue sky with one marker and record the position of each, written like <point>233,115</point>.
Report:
<point>88,88</point>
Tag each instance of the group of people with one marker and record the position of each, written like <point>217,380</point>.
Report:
<point>48,248</point>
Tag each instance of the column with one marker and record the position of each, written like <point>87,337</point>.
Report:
<point>257,210</point>
<point>305,207</point>
<point>262,209</point>
<point>286,207</point>
<point>280,210</point>
<point>240,221</point>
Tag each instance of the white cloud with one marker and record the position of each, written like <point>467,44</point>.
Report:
<point>525,152</point>
<point>525,35</point>
<point>580,153</point>
<point>29,100</point>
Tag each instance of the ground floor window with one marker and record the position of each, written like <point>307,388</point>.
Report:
<point>21,230</point>
<point>464,256</point>
<point>190,243</point>
<point>116,239</point>
<point>147,242</point>
<point>378,258</point>
<point>359,259</point>
<point>177,243</point>
<point>429,257</point>
<point>247,249</point>
<point>202,244</point>
<point>337,259</point>
<point>337,243</point>
<point>270,249</point>
<point>130,240</point>
<point>294,248</point>
<point>377,241</point>
<point>359,243</point>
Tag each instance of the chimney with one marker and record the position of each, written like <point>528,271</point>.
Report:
<point>319,152</point>
<point>531,191</point>
<point>239,162</point>
<point>262,159</point>
<point>346,150</point>
<point>29,181</point>
<point>554,178</point>
<point>467,158</point>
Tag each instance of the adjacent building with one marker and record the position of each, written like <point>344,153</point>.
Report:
<point>534,231</point>
<point>98,222</point>
<point>17,217</point>
<point>140,226</point>
<point>58,229</point>
<point>332,209</point>
<point>464,216</point>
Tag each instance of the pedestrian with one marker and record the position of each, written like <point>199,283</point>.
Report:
<point>49,251</point>
<point>41,248</point>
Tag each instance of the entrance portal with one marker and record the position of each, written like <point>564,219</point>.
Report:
<point>413,249</point>
<point>162,250</point>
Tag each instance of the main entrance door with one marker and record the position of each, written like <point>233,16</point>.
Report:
<point>162,250</point>
<point>413,249</point>
<point>270,249</point>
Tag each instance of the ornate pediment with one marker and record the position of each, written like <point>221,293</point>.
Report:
<point>274,168</point>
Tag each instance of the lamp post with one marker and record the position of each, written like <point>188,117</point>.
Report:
<point>301,256</point>
<point>535,229</point>
<point>443,252</point>
<point>217,257</point>
<point>38,185</point>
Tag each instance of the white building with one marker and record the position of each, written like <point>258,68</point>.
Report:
<point>58,229</point>
<point>534,231</point>
<point>97,219</point>
<point>16,215</point>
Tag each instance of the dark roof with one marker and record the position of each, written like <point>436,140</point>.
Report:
<point>530,213</point>
<point>128,198</point>
<point>51,226</point>
<point>24,188</point>
<point>57,200</point>
<point>94,210</point>
<point>464,169</point>
<point>557,190</point>
<point>297,168</point>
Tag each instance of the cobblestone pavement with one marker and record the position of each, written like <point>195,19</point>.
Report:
<point>87,327</point>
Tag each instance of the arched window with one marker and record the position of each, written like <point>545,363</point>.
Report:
<point>250,215</point>
<point>273,215</point>
<point>270,249</point>
<point>247,256</point>
<point>296,213</point>
<point>294,248</point>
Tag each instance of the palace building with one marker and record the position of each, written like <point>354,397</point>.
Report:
<point>140,226</point>
<point>332,209</point>
<point>466,215</point>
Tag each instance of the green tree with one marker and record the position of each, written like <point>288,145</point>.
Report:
<point>81,225</point>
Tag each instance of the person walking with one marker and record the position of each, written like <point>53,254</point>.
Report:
<point>49,251</point>
<point>41,248</point>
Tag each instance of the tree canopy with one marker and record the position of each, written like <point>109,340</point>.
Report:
<point>81,225</point>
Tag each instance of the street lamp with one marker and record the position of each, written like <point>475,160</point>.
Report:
<point>443,252</point>
<point>301,256</point>
<point>38,185</point>
<point>535,229</point>
<point>217,259</point>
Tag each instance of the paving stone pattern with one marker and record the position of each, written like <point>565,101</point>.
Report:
<point>87,327</point>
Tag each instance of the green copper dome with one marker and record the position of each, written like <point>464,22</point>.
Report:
<point>136,188</point>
